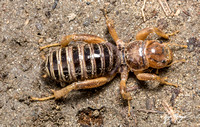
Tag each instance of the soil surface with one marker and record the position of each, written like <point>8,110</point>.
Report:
<point>26,25</point>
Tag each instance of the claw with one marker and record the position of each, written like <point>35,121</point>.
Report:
<point>171,34</point>
<point>183,60</point>
<point>167,83</point>
<point>44,98</point>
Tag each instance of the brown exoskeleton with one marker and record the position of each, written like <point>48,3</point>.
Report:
<point>95,62</point>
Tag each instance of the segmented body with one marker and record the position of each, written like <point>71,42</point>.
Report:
<point>82,61</point>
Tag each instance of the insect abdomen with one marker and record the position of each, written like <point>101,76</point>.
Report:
<point>82,61</point>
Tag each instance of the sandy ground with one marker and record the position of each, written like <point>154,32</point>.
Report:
<point>26,25</point>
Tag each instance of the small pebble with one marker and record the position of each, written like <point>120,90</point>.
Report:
<point>95,113</point>
<point>88,3</point>
<point>48,14</point>
<point>40,40</point>
<point>96,16</point>
<point>1,104</point>
<point>38,26</point>
<point>87,22</point>
<point>198,63</point>
<point>71,16</point>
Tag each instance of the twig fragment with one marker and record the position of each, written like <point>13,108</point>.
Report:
<point>150,111</point>
<point>142,9</point>
<point>165,7</point>
<point>170,111</point>
<point>55,4</point>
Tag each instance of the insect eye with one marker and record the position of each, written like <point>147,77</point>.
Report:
<point>163,61</point>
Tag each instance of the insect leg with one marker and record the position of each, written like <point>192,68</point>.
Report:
<point>174,44</point>
<point>76,37</point>
<point>142,35</point>
<point>149,76</point>
<point>81,37</point>
<point>176,61</point>
<point>123,90</point>
<point>87,84</point>
<point>111,29</point>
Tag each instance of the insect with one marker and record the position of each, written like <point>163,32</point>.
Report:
<point>94,62</point>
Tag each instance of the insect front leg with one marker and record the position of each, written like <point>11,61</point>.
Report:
<point>76,37</point>
<point>149,76</point>
<point>87,84</point>
<point>142,35</point>
<point>123,89</point>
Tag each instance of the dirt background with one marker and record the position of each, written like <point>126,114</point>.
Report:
<point>26,25</point>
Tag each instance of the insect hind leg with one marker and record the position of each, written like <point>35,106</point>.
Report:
<point>87,84</point>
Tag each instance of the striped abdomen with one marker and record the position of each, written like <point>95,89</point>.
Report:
<point>83,61</point>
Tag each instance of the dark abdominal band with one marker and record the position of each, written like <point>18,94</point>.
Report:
<point>55,65</point>
<point>97,57</point>
<point>77,66</point>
